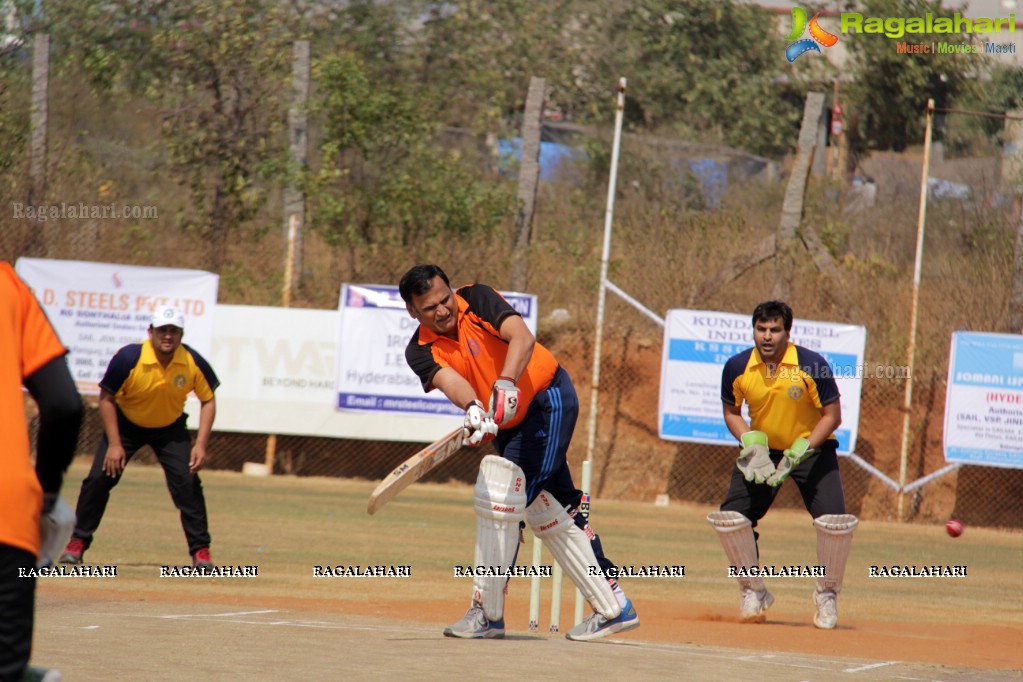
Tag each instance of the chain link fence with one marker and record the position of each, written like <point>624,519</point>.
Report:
<point>671,235</point>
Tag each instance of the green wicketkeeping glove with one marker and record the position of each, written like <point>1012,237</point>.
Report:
<point>793,456</point>
<point>754,459</point>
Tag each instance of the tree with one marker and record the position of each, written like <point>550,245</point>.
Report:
<point>215,70</point>
<point>890,90</point>
<point>704,68</point>
<point>383,178</point>
<point>699,67</point>
<point>226,68</point>
<point>479,56</point>
<point>15,102</point>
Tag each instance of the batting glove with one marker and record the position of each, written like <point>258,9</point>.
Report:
<point>754,459</point>
<point>794,456</point>
<point>55,526</point>
<point>504,400</point>
<point>479,427</point>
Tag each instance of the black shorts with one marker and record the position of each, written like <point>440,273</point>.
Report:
<point>817,477</point>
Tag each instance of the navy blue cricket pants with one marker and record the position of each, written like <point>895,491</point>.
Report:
<point>539,445</point>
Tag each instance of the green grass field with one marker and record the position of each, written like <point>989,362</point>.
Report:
<point>286,526</point>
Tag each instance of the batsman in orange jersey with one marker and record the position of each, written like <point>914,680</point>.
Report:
<point>473,346</point>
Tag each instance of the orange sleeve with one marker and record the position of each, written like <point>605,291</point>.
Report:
<point>30,343</point>
<point>39,342</point>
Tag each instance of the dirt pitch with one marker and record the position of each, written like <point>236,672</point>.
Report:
<point>287,624</point>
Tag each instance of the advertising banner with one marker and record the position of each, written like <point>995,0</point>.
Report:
<point>984,400</point>
<point>372,374</point>
<point>97,308</point>
<point>697,343</point>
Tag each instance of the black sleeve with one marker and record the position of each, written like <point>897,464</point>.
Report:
<point>421,361</point>
<point>734,367</point>
<point>120,367</point>
<point>204,367</point>
<point>60,417</point>
<point>488,305</point>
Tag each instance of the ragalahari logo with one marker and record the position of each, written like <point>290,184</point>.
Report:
<point>818,36</point>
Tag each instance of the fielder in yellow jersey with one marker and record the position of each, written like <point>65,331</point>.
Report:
<point>142,402</point>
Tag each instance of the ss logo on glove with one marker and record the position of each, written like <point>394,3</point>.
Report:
<point>504,400</point>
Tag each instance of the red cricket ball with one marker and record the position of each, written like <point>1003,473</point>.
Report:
<point>954,528</point>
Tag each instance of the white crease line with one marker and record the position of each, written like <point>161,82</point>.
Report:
<point>869,667</point>
<point>325,625</point>
<point>788,661</point>
<point>219,615</point>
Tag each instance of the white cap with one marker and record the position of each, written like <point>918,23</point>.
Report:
<point>167,315</point>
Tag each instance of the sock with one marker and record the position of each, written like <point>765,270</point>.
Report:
<point>619,594</point>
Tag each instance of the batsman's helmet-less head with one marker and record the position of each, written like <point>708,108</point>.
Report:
<point>416,281</point>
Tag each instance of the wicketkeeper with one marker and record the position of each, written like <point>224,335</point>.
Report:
<point>474,347</point>
<point>794,409</point>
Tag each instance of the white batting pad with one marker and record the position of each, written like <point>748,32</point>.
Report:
<point>834,540</point>
<point>736,534</point>
<point>572,550</point>
<point>500,501</point>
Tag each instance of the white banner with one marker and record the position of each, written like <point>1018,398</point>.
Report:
<point>372,373</point>
<point>697,343</point>
<point>98,308</point>
<point>277,369</point>
<point>984,400</point>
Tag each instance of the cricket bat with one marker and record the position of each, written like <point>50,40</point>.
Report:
<point>414,468</point>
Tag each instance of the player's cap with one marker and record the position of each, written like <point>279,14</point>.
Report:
<point>167,315</point>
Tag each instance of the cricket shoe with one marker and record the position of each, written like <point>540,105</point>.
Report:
<point>826,617</point>
<point>754,605</point>
<point>73,552</point>
<point>33,674</point>
<point>201,559</point>
<point>475,625</point>
<point>597,626</point>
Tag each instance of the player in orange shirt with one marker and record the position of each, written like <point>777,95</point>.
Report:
<point>474,346</point>
<point>33,357</point>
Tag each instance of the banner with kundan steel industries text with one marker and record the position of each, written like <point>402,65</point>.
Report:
<point>984,400</point>
<point>697,343</point>
<point>372,374</point>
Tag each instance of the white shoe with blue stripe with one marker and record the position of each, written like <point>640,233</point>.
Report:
<point>597,626</point>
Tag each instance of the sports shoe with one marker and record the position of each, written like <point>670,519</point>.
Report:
<point>33,674</point>
<point>474,625</point>
<point>597,626</point>
<point>201,558</point>
<point>754,605</point>
<point>826,617</point>
<point>73,552</point>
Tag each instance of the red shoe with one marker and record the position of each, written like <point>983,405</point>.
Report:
<point>73,552</point>
<point>201,558</point>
